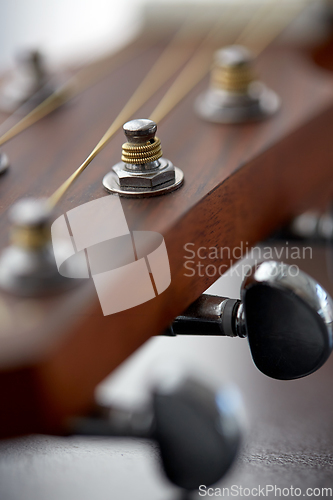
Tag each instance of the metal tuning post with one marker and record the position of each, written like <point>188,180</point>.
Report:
<point>285,314</point>
<point>235,95</point>
<point>28,266</point>
<point>143,170</point>
<point>313,226</point>
<point>29,83</point>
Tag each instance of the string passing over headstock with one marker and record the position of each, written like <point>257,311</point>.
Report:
<point>235,95</point>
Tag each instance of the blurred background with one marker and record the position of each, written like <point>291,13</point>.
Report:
<point>67,30</point>
<point>70,31</point>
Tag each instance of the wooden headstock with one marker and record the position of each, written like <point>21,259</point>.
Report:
<point>241,183</point>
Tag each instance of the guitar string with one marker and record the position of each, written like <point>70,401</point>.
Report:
<point>134,103</point>
<point>85,78</point>
<point>50,198</point>
<point>78,83</point>
<point>16,116</point>
<point>281,26</point>
<point>198,67</point>
<point>153,81</point>
<point>295,7</point>
<point>253,24</point>
<point>190,76</point>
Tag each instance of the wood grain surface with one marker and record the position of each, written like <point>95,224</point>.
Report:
<point>241,182</point>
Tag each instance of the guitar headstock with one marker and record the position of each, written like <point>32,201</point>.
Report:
<point>242,181</point>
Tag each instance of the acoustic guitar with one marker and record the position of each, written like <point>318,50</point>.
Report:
<point>241,182</point>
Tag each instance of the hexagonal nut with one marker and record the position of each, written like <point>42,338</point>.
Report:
<point>145,179</point>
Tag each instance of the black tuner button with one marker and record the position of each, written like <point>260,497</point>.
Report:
<point>288,318</point>
<point>198,431</point>
<point>286,315</point>
<point>197,428</point>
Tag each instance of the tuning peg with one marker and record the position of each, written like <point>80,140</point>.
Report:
<point>143,170</point>
<point>312,225</point>
<point>235,95</point>
<point>29,82</point>
<point>27,265</point>
<point>197,428</point>
<point>285,314</point>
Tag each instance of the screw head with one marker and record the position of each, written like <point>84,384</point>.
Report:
<point>140,131</point>
<point>30,212</point>
<point>233,56</point>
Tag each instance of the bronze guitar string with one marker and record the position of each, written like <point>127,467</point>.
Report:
<point>200,64</point>
<point>167,64</point>
<point>281,25</point>
<point>141,95</point>
<point>81,81</point>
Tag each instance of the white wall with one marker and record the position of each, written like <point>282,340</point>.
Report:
<point>70,29</point>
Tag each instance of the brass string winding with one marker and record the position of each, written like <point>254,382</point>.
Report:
<point>136,154</point>
<point>30,237</point>
<point>232,78</point>
<point>171,59</point>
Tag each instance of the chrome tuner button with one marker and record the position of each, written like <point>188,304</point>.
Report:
<point>143,170</point>
<point>234,94</point>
